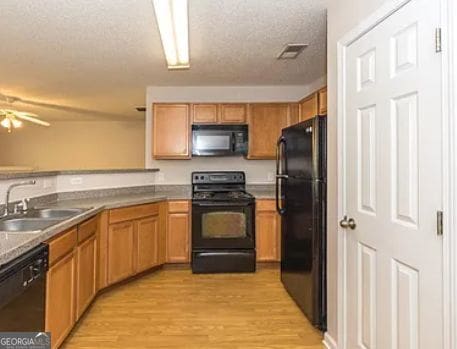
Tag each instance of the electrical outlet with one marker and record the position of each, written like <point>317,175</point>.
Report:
<point>160,177</point>
<point>76,181</point>
<point>46,184</point>
<point>271,176</point>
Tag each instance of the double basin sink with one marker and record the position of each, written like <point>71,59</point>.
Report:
<point>35,220</point>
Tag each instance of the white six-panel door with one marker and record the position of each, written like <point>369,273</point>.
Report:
<point>393,183</point>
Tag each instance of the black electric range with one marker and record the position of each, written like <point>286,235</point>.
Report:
<point>223,223</point>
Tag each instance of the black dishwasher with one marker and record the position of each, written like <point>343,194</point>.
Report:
<point>23,292</point>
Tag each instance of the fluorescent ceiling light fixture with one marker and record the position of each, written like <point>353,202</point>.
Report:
<point>173,20</point>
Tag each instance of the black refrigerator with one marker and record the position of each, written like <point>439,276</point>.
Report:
<point>301,201</point>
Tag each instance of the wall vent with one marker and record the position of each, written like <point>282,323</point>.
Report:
<point>140,108</point>
<point>291,51</point>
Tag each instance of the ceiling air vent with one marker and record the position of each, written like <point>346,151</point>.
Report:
<point>291,51</point>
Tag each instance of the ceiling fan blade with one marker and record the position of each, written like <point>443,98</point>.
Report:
<point>29,117</point>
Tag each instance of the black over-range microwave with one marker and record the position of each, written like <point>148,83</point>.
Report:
<point>219,140</point>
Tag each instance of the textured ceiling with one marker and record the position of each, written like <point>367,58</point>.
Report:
<point>88,56</point>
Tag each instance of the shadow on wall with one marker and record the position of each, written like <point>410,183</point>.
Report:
<point>75,145</point>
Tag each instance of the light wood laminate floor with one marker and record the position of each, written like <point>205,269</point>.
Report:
<point>176,309</point>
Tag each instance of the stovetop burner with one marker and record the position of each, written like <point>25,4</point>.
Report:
<point>217,196</point>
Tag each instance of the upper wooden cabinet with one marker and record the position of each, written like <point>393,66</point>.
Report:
<point>309,107</point>
<point>171,131</point>
<point>204,113</point>
<point>314,104</point>
<point>233,113</point>
<point>266,120</point>
<point>211,113</point>
<point>322,93</point>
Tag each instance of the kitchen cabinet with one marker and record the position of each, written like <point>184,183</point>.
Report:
<point>178,232</point>
<point>136,240</point>
<point>86,265</point>
<point>147,243</point>
<point>204,113</point>
<point>266,120</point>
<point>233,113</point>
<point>268,232</point>
<point>309,107</point>
<point>60,287</point>
<point>322,95</point>
<point>171,131</point>
<point>120,251</point>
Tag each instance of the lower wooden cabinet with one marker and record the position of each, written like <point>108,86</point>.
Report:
<point>178,232</point>
<point>60,298</point>
<point>268,232</point>
<point>135,240</point>
<point>147,243</point>
<point>86,274</point>
<point>120,251</point>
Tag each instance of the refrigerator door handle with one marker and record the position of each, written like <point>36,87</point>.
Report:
<point>279,176</point>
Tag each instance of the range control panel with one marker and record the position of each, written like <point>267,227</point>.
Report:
<point>230,177</point>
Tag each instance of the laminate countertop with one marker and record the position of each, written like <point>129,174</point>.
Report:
<point>13,245</point>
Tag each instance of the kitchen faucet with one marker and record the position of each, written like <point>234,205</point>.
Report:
<point>6,210</point>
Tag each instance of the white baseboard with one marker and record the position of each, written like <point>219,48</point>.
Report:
<point>329,342</point>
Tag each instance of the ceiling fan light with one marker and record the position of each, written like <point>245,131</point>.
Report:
<point>16,123</point>
<point>172,19</point>
<point>6,123</point>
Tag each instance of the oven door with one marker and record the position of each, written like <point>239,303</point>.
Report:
<point>223,225</point>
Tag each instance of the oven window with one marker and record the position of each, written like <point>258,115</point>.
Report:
<point>213,142</point>
<point>223,225</point>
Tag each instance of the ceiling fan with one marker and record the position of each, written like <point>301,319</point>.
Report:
<point>11,118</point>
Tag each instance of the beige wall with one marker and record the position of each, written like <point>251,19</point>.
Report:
<point>75,145</point>
<point>342,17</point>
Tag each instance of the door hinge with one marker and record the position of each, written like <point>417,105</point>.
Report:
<point>438,47</point>
<point>439,223</point>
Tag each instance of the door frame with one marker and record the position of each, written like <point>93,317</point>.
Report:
<point>449,108</point>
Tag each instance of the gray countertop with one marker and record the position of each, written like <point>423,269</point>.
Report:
<point>13,245</point>
<point>28,174</point>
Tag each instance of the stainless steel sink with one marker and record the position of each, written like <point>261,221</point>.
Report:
<point>54,213</point>
<point>37,219</point>
<point>27,224</point>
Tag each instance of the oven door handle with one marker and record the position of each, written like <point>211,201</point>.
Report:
<point>223,204</point>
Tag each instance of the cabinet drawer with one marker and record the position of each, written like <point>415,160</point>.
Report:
<point>62,245</point>
<point>133,212</point>
<point>87,229</point>
<point>178,206</point>
<point>266,205</point>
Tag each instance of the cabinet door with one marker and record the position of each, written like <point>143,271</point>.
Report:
<point>120,251</point>
<point>60,299</point>
<point>147,240</point>
<point>86,274</point>
<point>265,124</point>
<point>163,217</point>
<point>233,113</point>
<point>178,238</point>
<point>171,131</point>
<point>267,237</point>
<point>204,113</point>
<point>309,107</point>
<point>323,101</point>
